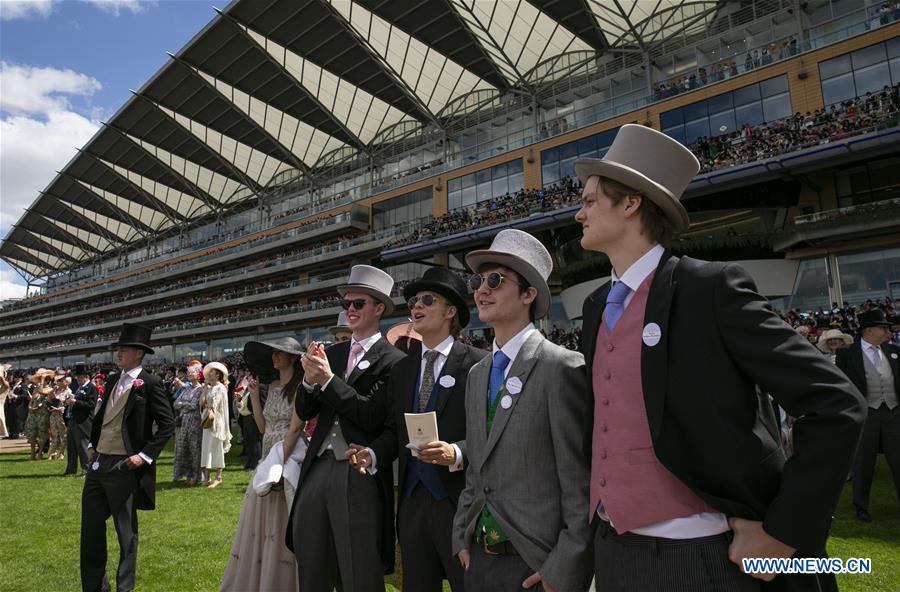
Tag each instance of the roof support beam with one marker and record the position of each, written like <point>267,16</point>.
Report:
<point>343,127</point>
<point>290,157</point>
<point>142,228</point>
<point>71,238</point>
<point>627,17</point>
<point>98,228</point>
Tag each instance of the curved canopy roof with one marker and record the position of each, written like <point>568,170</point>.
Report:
<point>270,86</point>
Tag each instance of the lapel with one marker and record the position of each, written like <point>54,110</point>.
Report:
<point>654,360</point>
<point>451,368</point>
<point>129,404</point>
<point>476,405</point>
<point>521,367</point>
<point>856,358</point>
<point>593,316</point>
<point>371,356</point>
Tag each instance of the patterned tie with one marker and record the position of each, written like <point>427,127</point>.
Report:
<point>615,304</point>
<point>355,350</point>
<point>431,357</point>
<point>876,356</point>
<point>501,361</point>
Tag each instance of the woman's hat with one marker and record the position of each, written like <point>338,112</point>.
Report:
<point>872,318</point>
<point>649,161</point>
<point>258,354</point>
<point>134,335</point>
<point>402,331</point>
<point>525,255</point>
<point>216,366</point>
<point>40,374</point>
<point>446,283</point>
<point>372,281</point>
<point>822,343</point>
<point>341,324</point>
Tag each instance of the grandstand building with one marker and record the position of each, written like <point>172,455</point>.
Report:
<point>290,139</point>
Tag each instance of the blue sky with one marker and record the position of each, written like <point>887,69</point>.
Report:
<point>66,66</point>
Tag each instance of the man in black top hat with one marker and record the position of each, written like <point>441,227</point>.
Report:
<point>121,478</point>
<point>873,365</point>
<point>432,377</point>
<point>79,417</point>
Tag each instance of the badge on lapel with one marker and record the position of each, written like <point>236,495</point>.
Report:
<point>363,365</point>
<point>652,334</point>
<point>514,385</point>
<point>506,402</point>
<point>447,381</point>
<point>894,356</point>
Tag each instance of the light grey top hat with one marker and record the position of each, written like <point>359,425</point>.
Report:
<point>372,281</point>
<point>649,161</point>
<point>341,324</point>
<point>525,255</point>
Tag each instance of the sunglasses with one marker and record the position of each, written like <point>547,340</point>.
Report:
<point>493,279</point>
<point>357,304</point>
<point>426,300</point>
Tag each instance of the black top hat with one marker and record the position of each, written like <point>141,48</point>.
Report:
<point>447,284</point>
<point>134,335</point>
<point>81,370</point>
<point>872,318</point>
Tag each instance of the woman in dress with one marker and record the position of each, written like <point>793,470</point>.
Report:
<point>188,432</point>
<point>56,403</point>
<point>4,392</point>
<point>259,559</point>
<point>38,422</point>
<point>216,437</point>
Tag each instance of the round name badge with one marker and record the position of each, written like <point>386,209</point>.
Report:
<point>514,385</point>
<point>506,402</point>
<point>95,466</point>
<point>652,334</point>
<point>447,381</point>
<point>894,356</point>
<point>364,364</point>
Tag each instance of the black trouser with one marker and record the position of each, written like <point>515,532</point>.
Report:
<point>882,429</point>
<point>12,420</point>
<point>252,444</point>
<point>108,491</point>
<point>425,530</point>
<point>76,447</point>
<point>497,573</point>
<point>337,529</point>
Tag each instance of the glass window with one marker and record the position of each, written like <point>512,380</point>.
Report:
<point>722,123</point>
<point>568,150</point>
<point>514,166</point>
<point>500,186</point>
<point>671,118</point>
<point>484,191</point>
<point>895,71</point>
<point>893,47</point>
<point>720,103</point>
<point>835,66</point>
<point>454,185</point>
<point>696,129</point>
<point>868,275</point>
<point>587,146</point>
<point>516,182</point>
<point>676,133</point>
<point>835,90</point>
<point>468,181</point>
<point>454,200</point>
<point>695,111</point>
<point>773,86</point>
<point>871,78</point>
<point>483,176</point>
<point>777,107</point>
<point>746,94</point>
<point>751,114</point>
<point>811,286</point>
<point>868,56</point>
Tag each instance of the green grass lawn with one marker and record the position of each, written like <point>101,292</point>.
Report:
<point>184,543</point>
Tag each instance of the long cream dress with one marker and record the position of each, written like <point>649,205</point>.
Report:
<point>217,439</point>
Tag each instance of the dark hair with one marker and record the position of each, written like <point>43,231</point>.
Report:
<point>290,389</point>
<point>522,284</point>
<point>654,222</point>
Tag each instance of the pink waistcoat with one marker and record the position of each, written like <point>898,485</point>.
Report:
<point>635,488</point>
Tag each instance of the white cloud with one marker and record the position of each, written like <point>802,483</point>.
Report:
<point>10,285</point>
<point>117,7</point>
<point>39,132</point>
<point>25,9</point>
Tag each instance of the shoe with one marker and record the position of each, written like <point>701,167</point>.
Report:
<point>214,484</point>
<point>863,515</point>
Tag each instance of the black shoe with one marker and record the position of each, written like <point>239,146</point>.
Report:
<point>863,515</point>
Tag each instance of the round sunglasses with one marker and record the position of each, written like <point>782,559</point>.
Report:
<point>426,300</point>
<point>493,280</point>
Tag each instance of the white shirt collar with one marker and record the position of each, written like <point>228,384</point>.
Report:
<point>512,347</point>
<point>870,345</point>
<point>134,372</point>
<point>368,342</point>
<point>442,348</point>
<point>635,275</point>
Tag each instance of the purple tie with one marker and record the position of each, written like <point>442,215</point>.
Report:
<point>615,304</point>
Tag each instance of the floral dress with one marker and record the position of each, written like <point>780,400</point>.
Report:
<point>189,435</point>
<point>38,422</point>
<point>57,421</point>
<point>259,559</point>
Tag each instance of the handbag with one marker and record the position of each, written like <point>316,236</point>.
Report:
<point>209,416</point>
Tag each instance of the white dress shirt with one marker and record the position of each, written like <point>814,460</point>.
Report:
<point>874,352</point>
<point>688,527</point>
<point>122,386</point>
<point>511,348</point>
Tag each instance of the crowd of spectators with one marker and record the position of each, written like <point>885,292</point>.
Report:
<point>799,131</point>
<point>511,206</point>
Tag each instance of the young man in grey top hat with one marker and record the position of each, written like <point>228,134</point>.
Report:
<point>341,520</point>
<point>686,451</point>
<point>521,521</point>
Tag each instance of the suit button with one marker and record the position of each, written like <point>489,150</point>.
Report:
<point>607,375</point>
<point>610,347</point>
<point>603,454</point>
<point>604,401</point>
<point>602,482</point>
<point>487,490</point>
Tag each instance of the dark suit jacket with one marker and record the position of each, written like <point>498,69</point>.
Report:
<point>360,403</point>
<point>450,406</point>
<point>83,407</point>
<point>145,405</point>
<point>850,360</point>
<point>711,425</point>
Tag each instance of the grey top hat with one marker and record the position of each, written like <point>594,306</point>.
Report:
<point>341,324</point>
<point>525,255</point>
<point>649,161</point>
<point>372,281</point>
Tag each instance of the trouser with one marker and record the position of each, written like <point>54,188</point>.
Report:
<point>76,448</point>
<point>882,429</point>
<point>108,491</point>
<point>497,573</point>
<point>425,530</point>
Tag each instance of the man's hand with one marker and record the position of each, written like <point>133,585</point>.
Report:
<point>315,365</point>
<point>439,452</point>
<point>134,461</point>
<point>92,454</point>
<point>464,559</point>
<point>532,581</point>
<point>750,540</point>
<point>358,457</point>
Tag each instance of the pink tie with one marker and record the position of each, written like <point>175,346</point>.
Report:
<point>117,392</point>
<point>355,350</point>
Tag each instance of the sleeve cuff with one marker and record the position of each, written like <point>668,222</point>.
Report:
<point>146,458</point>
<point>374,468</point>
<point>458,465</point>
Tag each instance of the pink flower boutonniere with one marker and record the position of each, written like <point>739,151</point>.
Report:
<point>138,383</point>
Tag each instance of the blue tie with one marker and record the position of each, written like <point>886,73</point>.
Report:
<point>615,304</point>
<point>501,361</point>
